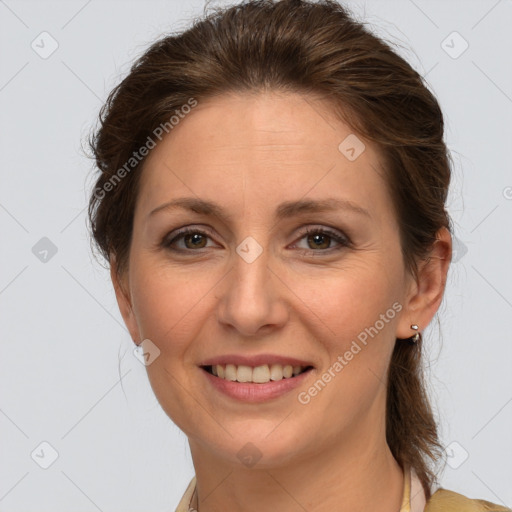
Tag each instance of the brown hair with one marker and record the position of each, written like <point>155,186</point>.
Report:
<point>312,48</point>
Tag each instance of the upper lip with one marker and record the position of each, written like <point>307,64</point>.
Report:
<point>257,360</point>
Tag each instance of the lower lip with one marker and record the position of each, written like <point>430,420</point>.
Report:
<point>251,392</point>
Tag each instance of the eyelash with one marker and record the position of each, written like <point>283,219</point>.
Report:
<point>342,240</point>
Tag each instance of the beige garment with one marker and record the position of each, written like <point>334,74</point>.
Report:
<point>413,498</point>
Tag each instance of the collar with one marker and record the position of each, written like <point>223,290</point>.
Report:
<point>414,499</point>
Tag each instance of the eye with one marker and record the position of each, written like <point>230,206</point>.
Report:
<point>320,239</point>
<point>191,237</point>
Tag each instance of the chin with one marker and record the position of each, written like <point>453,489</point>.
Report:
<point>258,451</point>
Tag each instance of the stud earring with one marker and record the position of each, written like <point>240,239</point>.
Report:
<point>413,340</point>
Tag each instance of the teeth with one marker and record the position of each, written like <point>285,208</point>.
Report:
<point>244,373</point>
<point>230,372</point>
<point>287,371</point>
<point>259,374</point>
<point>276,372</point>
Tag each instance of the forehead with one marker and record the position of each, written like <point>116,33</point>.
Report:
<point>262,149</point>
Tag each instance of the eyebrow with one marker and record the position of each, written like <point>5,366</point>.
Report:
<point>283,211</point>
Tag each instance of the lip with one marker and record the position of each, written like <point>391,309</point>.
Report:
<point>257,360</point>
<point>252,392</point>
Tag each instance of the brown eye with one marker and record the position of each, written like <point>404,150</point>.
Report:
<point>196,240</point>
<point>319,240</point>
<point>192,239</point>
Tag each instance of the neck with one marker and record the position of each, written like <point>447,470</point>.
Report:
<point>347,477</point>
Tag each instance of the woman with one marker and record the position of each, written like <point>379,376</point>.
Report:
<point>272,206</point>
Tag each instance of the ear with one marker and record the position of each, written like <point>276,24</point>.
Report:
<point>426,292</point>
<point>124,301</point>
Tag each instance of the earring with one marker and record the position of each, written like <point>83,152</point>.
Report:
<point>413,340</point>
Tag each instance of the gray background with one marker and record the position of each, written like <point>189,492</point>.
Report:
<point>68,375</point>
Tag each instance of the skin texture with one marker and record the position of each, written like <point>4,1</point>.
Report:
<point>302,297</point>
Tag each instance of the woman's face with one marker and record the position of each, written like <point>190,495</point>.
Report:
<point>249,281</point>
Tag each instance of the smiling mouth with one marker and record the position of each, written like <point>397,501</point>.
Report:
<point>255,375</point>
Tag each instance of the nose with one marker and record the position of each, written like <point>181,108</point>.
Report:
<point>253,297</point>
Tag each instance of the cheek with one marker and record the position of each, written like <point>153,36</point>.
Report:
<point>354,310</point>
<point>349,301</point>
<point>357,335</point>
<point>168,303</point>
<point>170,310</point>
<point>358,310</point>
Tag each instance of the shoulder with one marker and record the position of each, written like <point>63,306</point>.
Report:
<point>444,500</point>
